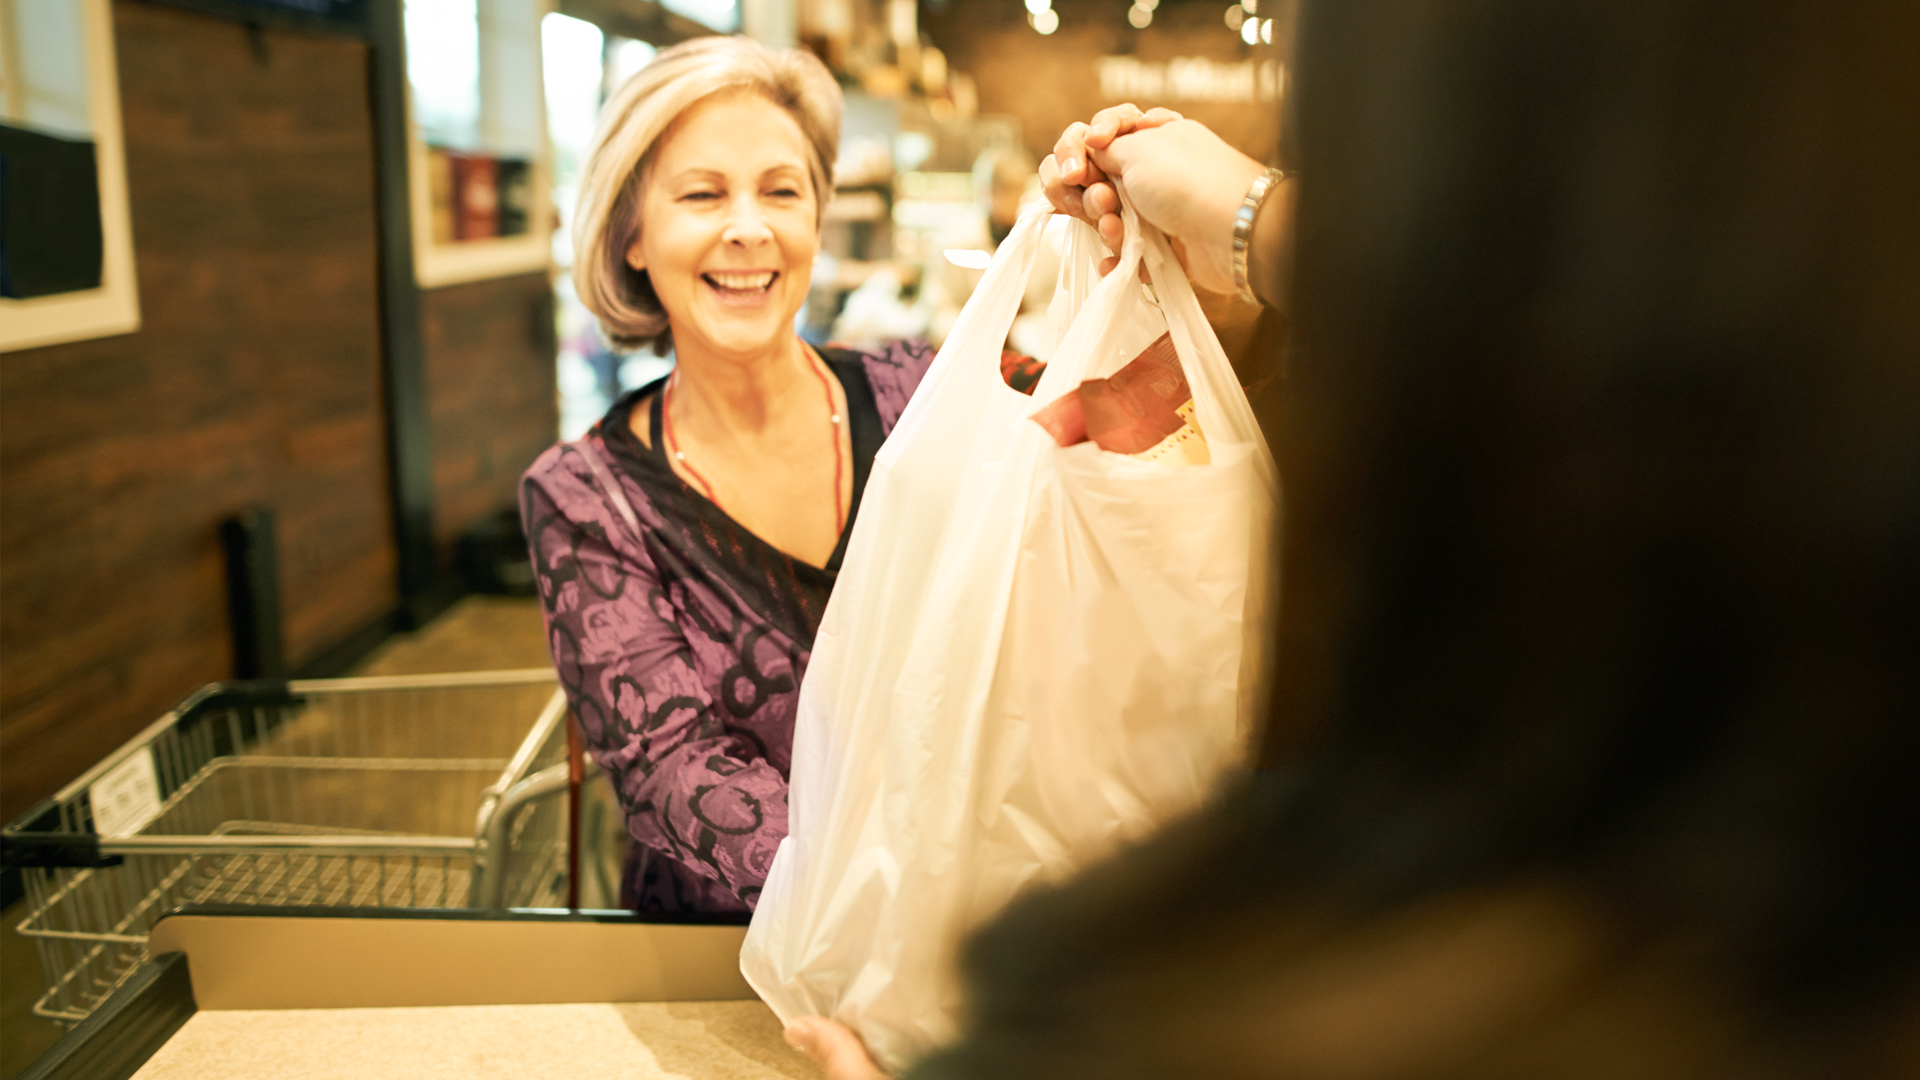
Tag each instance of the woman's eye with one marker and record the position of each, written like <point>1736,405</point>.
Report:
<point>784,193</point>
<point>699,196</point>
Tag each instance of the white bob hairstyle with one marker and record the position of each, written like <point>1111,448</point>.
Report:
<point>607,219</point>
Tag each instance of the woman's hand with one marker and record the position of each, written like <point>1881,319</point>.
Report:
<point>835,1049</point>
<point>1181,178</point>
<point>1070,178</point>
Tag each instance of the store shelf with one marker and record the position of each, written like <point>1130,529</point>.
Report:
<point>510,76</point>
<point>437,265</point>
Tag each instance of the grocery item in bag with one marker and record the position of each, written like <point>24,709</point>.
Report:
<point>1145,409</point>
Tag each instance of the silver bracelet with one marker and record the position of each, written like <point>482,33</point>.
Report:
<point>1243,229</point>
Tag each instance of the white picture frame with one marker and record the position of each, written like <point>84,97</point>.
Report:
<point>510,71</point>
<point>114,307</point>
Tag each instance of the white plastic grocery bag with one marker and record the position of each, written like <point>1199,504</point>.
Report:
<point>1034,652</point>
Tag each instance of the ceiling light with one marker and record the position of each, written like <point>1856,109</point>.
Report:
<point>1046,21</point>
<point>1139,17</point>
<point>1236,15</point>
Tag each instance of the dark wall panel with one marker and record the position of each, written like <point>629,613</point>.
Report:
<point>491,394</point>
<point>254,379</point>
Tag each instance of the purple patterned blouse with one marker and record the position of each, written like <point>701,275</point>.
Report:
<point>681,644</point>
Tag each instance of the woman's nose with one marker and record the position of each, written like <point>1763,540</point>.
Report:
<point>746,224</point>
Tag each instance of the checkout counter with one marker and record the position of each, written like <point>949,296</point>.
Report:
<point>236,993</point>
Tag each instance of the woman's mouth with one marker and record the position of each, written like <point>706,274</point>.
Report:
<point>740,285</point>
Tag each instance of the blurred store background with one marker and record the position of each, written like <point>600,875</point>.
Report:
<point>249,332</point>
<point>285,307</point>
<point>947,103</point>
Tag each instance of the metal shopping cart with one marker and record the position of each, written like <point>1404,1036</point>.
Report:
<point>427,791</point>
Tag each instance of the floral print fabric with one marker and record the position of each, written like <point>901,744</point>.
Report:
<point>681,648</point>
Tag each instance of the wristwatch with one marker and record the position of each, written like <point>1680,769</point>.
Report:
<point>1243,228</point>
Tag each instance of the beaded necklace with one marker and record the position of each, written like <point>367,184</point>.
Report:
<point>673,446</point>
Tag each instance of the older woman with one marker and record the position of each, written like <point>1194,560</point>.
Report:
<point>686,546</point>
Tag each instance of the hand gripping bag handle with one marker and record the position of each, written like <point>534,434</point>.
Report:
<point>1221,407</point>
<point>988,316</point>
<point>1073,360</point>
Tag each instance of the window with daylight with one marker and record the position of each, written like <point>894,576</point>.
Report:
<point>479,166</point>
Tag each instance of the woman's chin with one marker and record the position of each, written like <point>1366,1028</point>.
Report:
<point>743,336</point>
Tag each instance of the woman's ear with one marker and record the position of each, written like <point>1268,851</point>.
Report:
<point>635,257</point>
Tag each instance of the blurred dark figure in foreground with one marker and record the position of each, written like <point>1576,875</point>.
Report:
<point>1599,658</point>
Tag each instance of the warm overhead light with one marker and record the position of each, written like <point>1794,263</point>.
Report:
<point>1035,7</point>
<point>1250,31</point>
<point>1046,21</point>
<point>1252,6</point>
<point>1139,16</point>
<point>1236,15</point>
<point>1148,5</point>
<point>1266,31</point>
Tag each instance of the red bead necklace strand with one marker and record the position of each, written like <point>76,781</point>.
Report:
<point>673,445</point>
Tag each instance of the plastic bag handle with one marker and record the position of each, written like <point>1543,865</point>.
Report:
<point>1003,286</point>
<point>1219,403</point>
<point>1070,364</point>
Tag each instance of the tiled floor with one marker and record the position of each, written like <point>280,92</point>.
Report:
<point>481,633</point>
<point>23,1036</point>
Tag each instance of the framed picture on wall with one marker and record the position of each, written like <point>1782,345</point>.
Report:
<point>477,147</point>
<point>66,240</point>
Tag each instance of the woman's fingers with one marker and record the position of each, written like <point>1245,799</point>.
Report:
<point>1110,122</point>
<point>1100,200</point>
<point>1076,167</point>
<point>1188,182</point>
<point>1075,181</point>
<point>1066,198</point>
<point>1065,174</point>
<point>1089,202</point>
<point>1116,120</point>
<point>1100,208</point>
<point>1071,150</point>
<point>835,1049</point>
<point>1112,231</point>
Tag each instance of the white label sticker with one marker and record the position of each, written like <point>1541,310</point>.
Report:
<point>127,797</point>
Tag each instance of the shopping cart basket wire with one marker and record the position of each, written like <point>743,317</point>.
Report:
<point>421,791</point>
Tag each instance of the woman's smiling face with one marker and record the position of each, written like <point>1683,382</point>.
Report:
<point>729,224</point>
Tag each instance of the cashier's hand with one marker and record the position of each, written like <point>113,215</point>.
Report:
<point>837,1050</point>
<point>1075,185</point>
<point>1068,176</point>
<point>1180,177</point>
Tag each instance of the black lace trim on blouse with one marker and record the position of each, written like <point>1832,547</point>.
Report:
<point>787,593</point>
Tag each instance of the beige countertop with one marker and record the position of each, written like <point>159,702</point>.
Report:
<point>698,1040</point>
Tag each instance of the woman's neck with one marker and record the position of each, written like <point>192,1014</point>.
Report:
<point>741,393</point>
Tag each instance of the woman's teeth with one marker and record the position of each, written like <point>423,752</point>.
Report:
<point>741,282</point>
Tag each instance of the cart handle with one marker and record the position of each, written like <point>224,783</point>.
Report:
<point>49,850</point>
